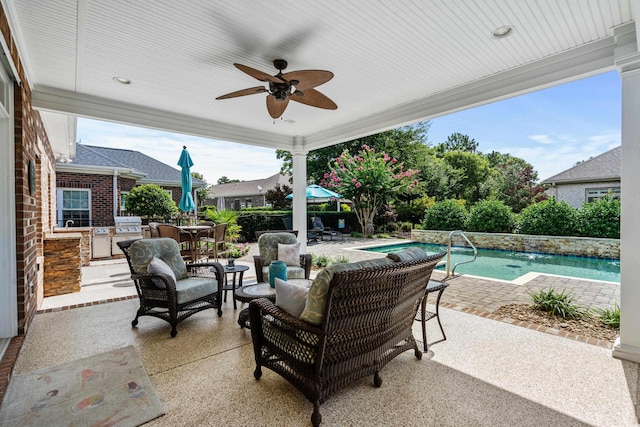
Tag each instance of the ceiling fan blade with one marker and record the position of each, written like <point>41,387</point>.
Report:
<point>243,92</point>
<point>276,108</point>
<point>313,98</point>
<point>257,74</point>
<point>308,78</point>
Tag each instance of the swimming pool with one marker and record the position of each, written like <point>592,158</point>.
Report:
<point>509,265</point>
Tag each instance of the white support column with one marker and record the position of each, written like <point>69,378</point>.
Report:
<point>627,346</point>
<point>115,193</point>
<point>299,156</point>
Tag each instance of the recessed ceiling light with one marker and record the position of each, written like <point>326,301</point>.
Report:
<point>502,31</point>
<point>122,80</point>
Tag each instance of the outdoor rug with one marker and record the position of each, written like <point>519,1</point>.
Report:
<point>108,389</point>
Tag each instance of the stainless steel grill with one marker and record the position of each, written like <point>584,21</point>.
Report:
<point>126,227</point>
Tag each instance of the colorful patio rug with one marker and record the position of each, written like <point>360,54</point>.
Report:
<point>108,389</point>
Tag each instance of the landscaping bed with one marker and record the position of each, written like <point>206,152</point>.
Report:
<point>585,326</point>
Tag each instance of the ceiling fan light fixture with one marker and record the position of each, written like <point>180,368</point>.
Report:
<point>295,85</point>
<point>503,31</point>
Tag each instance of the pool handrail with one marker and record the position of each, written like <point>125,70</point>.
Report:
<point>451,271</point>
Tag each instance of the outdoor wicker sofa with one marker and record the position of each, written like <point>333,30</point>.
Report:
<point>174,290</point>
<point>356,318</point>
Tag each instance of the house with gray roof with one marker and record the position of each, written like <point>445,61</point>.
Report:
<point>91,188</point>
<point>588,180</point>
<point>244,194</point>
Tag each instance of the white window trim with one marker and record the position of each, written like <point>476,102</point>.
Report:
<point>59,203</point>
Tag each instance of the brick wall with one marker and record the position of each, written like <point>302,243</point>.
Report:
<point>101,187</point>
<point>31,144</point>
<point>585,246</point>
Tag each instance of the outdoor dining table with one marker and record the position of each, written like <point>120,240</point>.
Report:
<point>192,237</point>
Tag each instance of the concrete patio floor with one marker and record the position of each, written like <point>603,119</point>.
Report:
<point>487,372</point>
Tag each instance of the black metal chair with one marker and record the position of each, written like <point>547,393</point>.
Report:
<point>425,316</point>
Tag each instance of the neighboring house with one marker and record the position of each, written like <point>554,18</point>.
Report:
<point>91,188</point>
<point>587,181</point>
<point>245,194</point>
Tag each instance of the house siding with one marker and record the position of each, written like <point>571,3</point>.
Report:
<point>575,194</point>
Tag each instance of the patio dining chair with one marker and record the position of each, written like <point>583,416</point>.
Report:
<point>183,238</point>
<point>216,237</point>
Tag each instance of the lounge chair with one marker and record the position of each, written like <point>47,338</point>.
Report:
<point>319,228</point>
<point>288,226</point>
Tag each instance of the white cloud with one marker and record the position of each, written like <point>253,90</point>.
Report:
<point>542,139</point>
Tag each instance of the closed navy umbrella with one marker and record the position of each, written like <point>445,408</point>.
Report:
<point>186,201</point>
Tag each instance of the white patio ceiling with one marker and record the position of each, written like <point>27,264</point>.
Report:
<point>395,62</point>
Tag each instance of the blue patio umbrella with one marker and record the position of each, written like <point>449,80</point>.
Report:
<point>186,201</point>
<point>316,192</point>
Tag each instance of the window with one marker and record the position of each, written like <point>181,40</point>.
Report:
<point>598,193</point>
<point>74,205</point>
<point>248,203</point>
<point>123,202</point>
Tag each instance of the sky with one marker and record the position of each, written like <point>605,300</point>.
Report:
<point>552,129</point>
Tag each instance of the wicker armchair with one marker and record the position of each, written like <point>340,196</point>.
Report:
<point>367,321</point>
<point>196,287</point>
<point>268,249</point>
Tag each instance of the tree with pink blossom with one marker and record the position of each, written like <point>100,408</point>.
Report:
<point>369,179</point>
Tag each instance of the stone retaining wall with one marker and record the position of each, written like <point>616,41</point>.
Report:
<point>62,260</point>
<point>561,245</point>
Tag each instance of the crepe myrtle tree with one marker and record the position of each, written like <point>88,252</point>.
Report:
<point>369,179</point>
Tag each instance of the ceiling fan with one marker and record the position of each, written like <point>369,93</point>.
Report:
<point>296,86</point>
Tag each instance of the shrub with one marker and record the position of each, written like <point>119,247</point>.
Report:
<point>320,260</point>
<point>550,217</point>
<point>557,303</point>
<point>491,216</point>
<point>445,215</point>
<point>341,259</point>
<point>150,201</point>
<point>406,226</point>
<point>610,317</point>
<point>600,218</point>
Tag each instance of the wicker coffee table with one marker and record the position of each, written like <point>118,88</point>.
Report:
<point>259,290</point>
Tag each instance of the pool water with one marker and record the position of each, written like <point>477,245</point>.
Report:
<point>509,265</point>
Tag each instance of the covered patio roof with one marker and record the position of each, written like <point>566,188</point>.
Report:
<point>394,63</point>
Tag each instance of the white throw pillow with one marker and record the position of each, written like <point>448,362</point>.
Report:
<point>290,254</point>
<point>158,266</point>
<point>291,298</point>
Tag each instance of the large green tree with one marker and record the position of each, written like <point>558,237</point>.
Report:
<point>407,144</point>
<point>515,180</point>
<point>460,142</point>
